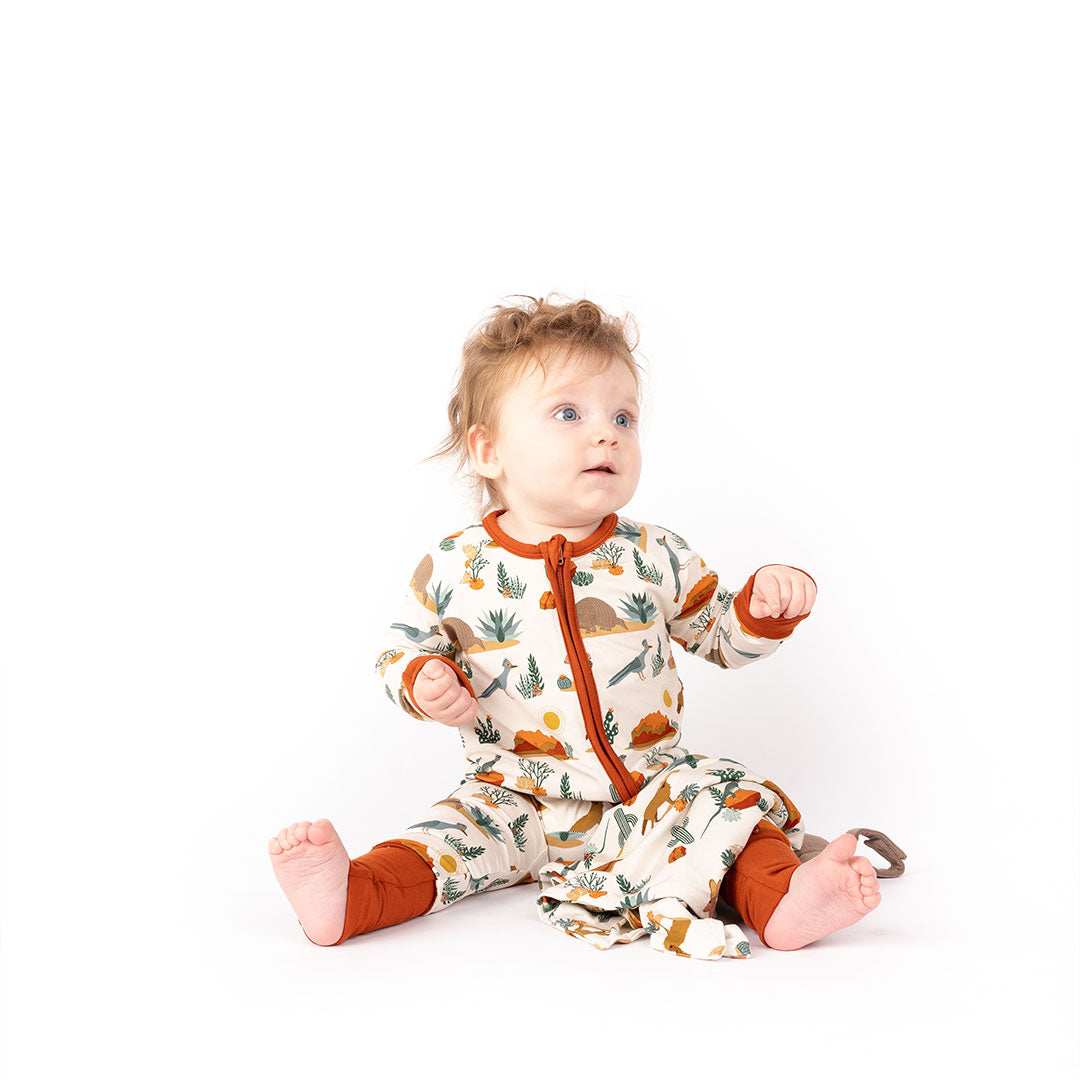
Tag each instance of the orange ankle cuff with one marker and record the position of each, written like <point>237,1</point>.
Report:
<point>759,878</point>
<point>388,885</point>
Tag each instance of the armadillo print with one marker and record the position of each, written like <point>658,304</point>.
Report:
<point>575,778</point>
<point>575,693</point>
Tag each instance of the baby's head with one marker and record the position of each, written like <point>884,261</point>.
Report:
<point>546,392</point>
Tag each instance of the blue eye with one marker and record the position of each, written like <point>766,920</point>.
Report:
<point>623,419</point>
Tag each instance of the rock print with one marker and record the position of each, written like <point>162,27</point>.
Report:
<point>576,779</point>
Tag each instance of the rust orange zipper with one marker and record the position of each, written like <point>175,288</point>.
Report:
<point>559,573</point>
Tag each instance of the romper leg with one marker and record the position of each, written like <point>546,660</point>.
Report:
<point>479,838</point>
<point>758,879</point>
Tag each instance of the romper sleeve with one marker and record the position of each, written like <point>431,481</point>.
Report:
<point>714,622</point>
<point>416,635</point>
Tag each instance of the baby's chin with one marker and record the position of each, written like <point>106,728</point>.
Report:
<point>591,509</point>
<point>574,505</point>
<point>605,498</point>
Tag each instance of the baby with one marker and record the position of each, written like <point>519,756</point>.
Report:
<point>544,634</point>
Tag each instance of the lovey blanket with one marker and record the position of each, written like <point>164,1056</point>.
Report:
<point>654,865</point>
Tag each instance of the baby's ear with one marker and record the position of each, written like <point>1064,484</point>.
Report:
<point>482,452</point>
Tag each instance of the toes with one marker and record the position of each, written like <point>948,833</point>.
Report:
<point>300,831</point>
<point>872,900</point>
<point>842,848</point>
<point>321,832</point>
<point>287,837</point>
<point>863,865</point>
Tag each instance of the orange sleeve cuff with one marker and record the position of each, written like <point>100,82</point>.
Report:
<point>412,669</point>
<point>773,629</point>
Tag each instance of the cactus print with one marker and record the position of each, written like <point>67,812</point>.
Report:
<point>576,780</point>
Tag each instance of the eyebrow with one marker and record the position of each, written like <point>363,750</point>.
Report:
<point>568,390</point>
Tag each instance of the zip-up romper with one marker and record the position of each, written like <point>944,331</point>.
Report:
<point>575,775</point>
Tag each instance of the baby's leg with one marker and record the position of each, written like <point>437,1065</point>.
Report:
<point>790,904</point>
<point>335,897</point>
<point>478,839</point>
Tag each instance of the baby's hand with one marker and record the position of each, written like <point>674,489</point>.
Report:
<point>442,696</point>
<point>782,592</point>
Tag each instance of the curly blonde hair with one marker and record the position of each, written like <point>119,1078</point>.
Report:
<point>499,350</point>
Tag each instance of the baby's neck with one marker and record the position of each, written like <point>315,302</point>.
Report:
<point>538,532</point>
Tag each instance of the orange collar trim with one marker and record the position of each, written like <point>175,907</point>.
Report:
<point>532,551</point>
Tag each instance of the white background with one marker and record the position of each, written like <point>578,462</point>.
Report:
<point>242,245</point>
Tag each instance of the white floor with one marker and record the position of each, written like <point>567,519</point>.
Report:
<point>937,978</point>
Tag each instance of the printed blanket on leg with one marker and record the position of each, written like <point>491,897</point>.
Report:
<point>654,865</point>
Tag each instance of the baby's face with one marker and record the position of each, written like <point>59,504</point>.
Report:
<point>553,433</point>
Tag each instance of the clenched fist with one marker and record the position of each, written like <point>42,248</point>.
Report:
<point>442,696</point>
<point>782,592</point>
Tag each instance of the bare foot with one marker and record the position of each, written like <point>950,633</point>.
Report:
<point>829,892</point>
<point>312,866</point>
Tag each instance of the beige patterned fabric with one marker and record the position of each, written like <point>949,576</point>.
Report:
<point>651,866</point>
<point>488,611</point>
<point>538,801</point>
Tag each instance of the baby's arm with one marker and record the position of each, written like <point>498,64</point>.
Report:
<point>415,661</point>
<point>734,629</point>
